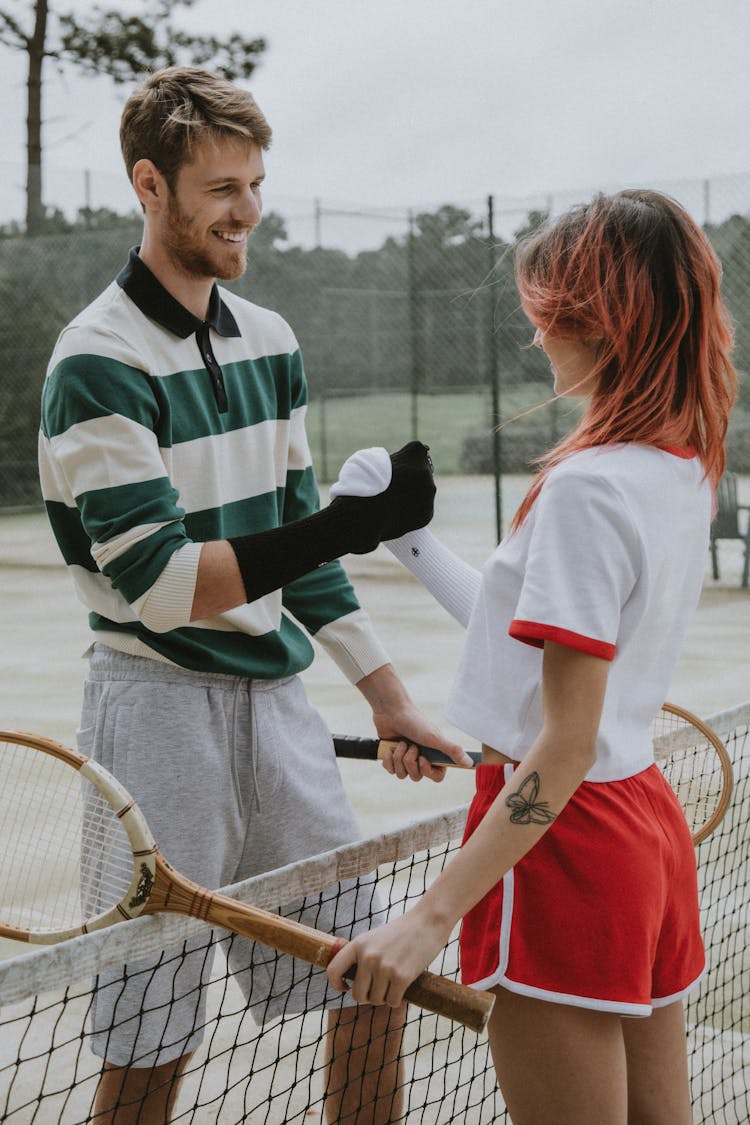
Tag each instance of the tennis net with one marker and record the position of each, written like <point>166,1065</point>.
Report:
<point>269,1066</point>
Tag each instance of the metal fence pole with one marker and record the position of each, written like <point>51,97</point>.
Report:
<point>415,351</point>
<point>493,373</point>
<point>323,437</point>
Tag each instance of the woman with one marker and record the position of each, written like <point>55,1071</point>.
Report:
<point>576,881</point>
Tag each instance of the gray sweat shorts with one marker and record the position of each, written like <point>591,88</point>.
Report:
<point>235,777</point>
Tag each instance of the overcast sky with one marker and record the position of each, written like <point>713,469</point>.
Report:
<point>413,103</point>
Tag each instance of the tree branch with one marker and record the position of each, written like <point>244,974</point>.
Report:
<point>125,47</point>
<point>12,34</point>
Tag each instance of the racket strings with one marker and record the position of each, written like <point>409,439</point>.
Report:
<point>64,855</point>
<point>31,809</point>
<point>691,765</point>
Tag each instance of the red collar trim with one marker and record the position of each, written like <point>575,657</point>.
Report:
<point>685,451</point>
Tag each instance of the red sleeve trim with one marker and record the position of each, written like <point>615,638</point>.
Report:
<point>532,633</point>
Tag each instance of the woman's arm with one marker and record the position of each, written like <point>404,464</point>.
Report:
<point>389,958</point>
<point>450,580</point>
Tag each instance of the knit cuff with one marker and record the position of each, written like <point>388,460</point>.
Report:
<point>352,644</point>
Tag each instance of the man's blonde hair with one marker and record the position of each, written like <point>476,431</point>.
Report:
<point>181,106</point>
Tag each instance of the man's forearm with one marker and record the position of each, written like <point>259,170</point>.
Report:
<point>219,586</point>
<point>383,690</point>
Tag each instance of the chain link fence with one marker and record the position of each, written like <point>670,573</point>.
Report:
<point>408,320</point>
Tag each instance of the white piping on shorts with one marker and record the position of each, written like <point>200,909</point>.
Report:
<point>663,1001</point>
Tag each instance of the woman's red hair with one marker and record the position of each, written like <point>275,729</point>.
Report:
<point>636,274</point>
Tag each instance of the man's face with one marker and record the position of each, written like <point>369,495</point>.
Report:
<point>213,210</point>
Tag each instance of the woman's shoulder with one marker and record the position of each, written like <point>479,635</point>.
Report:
<point>625,464</point>
<point>598,465</point>
<point>632,477</point>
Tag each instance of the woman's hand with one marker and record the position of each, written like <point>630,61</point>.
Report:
<point>388,958</point>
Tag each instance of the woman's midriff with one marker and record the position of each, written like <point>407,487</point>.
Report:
<point>492,757</point>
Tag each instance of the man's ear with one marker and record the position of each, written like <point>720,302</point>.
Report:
<point>149,185</point>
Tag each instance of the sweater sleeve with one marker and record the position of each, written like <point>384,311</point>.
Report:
<point>106,486</point>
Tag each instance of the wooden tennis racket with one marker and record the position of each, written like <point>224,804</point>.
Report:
<point>76,854</point>
<point>691,756</point>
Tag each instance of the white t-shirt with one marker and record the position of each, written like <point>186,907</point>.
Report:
<point>610,560</point>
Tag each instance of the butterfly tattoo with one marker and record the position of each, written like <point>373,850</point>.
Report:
<point>526,808</point>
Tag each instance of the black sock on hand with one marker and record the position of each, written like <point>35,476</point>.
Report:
<point>269,560</point>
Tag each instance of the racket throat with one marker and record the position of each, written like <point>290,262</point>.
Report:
<point>173,893</point>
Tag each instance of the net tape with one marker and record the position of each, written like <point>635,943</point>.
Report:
<point>270,1069</point>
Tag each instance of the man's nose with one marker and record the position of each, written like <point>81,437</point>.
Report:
<point>250,209</point>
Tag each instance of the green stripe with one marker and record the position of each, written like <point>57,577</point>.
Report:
<point>72,540</point>
<point>258,390</point>
<point>257,513</point>
<point>107,512</point>
<point>302,496</point>
<point>242,517</point>
<point>321,597</point>
<point>136,570</point>
<point>270,657</point>
<point>178,407</point>
<point>84,387</point>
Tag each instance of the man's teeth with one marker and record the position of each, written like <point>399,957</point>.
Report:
<point>230,237</point>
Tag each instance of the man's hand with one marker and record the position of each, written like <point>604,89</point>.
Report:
<point>396,718</point>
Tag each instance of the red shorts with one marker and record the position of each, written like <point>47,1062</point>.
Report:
<point>602,912</point>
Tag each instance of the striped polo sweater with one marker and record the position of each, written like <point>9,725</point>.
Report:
<point>160,432</point>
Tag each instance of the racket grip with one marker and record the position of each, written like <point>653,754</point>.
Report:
<point>373,749</point>
<point>437,757</point>
<point>443,997</point>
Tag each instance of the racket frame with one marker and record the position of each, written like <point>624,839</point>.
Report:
<point>133,822</point>
<point>703,831</point>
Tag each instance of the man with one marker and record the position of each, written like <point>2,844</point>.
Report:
<point>178,481</point>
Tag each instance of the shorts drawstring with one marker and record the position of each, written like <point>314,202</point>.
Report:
<point>252,747</point>
<point>236,688</point>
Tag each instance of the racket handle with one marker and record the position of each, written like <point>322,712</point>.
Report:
<point>443,997</point>
<point>374,749</point>
<point>175,893</point>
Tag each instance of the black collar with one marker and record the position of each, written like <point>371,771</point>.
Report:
<point>157,303</point>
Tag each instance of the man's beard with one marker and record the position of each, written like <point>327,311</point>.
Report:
<point>190,253</point>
